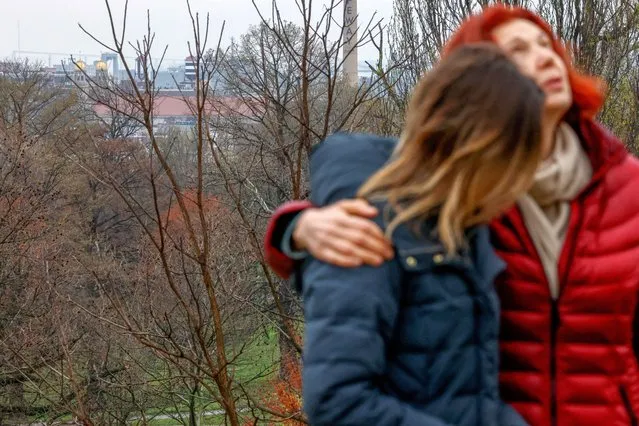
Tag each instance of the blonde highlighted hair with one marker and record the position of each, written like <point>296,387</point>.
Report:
<point>470,145</point>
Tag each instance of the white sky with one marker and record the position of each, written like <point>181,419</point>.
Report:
<point>52,25</point>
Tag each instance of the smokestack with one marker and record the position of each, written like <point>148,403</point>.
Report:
<point>350,41</point>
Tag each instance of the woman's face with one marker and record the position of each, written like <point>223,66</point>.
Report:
<point>531,49</point>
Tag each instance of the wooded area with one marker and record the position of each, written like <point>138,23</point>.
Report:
<point>132,283</point>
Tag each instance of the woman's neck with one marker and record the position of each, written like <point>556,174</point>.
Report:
<point>549,135</point>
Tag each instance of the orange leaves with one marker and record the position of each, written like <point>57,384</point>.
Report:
<point>284,394</point>
<point>174,216</point>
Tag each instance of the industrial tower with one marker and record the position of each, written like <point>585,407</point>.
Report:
<point>350,41</point>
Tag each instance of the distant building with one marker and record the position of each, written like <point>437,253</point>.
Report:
<point>170,78</point>
<point>190,73</point>
<point>178,112</point>
<point>113,65</point>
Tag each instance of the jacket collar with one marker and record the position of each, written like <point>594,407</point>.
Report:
<point>603,148</point>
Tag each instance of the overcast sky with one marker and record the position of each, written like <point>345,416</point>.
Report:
<point>52,25</point>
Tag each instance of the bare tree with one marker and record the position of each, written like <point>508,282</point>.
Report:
<point>133,276</point>
<point>181,227</point>
<point>31,176</point>
<point>603,37</point>
<point>287,94</point>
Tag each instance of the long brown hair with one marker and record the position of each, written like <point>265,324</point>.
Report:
<point>470,146</point>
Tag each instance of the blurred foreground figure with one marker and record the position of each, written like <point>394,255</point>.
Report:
<point>414,340</point>
<point>569,335</point>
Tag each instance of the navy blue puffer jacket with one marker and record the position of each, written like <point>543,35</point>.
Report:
<point>413,342</point>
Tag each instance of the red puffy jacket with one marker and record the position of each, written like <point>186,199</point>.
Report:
<point>572,361</point>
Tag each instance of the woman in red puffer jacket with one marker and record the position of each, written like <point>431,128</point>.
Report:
<point>569,293</point>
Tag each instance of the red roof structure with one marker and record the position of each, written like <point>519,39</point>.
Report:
<point>177,106</point>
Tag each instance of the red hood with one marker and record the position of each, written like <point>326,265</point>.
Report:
<point>604,149</point>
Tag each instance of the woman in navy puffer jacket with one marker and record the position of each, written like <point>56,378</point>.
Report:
<point>415,341</point>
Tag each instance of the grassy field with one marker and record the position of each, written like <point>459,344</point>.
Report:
<point>254,365</point>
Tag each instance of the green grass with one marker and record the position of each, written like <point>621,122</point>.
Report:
<point>255,365</point>
<point>258,360</point>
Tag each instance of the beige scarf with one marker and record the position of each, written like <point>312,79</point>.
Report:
<point>546,207</point>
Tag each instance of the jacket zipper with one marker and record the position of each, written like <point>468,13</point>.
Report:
<point>554,326</point>
<point>628,406</point>
<point>555,317</point>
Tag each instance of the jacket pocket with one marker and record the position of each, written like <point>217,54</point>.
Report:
<point>626,402</point>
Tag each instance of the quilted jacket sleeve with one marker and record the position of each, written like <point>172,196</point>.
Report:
<point>277,224</point>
